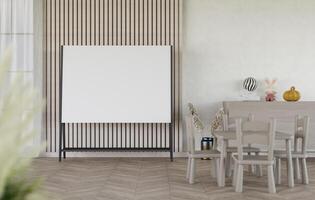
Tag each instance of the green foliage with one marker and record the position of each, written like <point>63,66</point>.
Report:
<point>16,189</point>
<point>18,106</point>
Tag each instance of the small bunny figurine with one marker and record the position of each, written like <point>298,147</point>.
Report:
<point>270,91</point>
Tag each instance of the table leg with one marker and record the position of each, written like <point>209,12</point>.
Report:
<point>222,163</point>
<point>289,164</point>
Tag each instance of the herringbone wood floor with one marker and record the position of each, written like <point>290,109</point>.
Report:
<point>150,178</point>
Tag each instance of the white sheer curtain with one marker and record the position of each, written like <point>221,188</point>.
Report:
<point>16,31</point>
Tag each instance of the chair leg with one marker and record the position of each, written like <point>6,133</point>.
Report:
<point>232,166</point>
<point>239,181</point>
<point>271,180</point>
<point>297,170</point>
<point>304,172</point>
<point>192,171</point>
<point>228,164</point>
<point>258,168</point>
<point>217,170</point>
<point>261,171</point>
<point>250,167</point>
<point>287,165</point>
<point>222,172</point>
<point>213,170</point>
<point>278,164</point>
<point>188,168</point>
<point>235,174</point>
<point>275,171</point>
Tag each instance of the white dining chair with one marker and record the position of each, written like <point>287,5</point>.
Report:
<point>299,154</point>
<point>254,132</point>
<point>229,125</point>
<point>191,129</point>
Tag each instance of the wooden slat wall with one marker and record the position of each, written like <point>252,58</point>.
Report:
<point>109,22</point>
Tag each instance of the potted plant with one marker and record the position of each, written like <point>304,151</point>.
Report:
<point>15,134</point>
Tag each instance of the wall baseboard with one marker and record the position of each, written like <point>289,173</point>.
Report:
<point>116,154</point>
<point>126,154</point>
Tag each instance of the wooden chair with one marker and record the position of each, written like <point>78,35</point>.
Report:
<point>254,132</point>
<point>299,155</point>
<point>229,125</point>
<point>190,120</point>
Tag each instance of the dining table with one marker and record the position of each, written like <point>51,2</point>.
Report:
<point>223,138</point>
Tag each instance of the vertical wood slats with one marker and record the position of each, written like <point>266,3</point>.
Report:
<point>110,22</point>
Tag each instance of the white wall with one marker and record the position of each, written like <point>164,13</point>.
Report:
<point>226,41</point>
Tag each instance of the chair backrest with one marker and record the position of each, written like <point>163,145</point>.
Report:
<point>301,132</point>
<point>229,122</point>
<point>255,132</point>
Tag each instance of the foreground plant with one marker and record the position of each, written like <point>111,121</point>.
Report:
<point>18,107</point>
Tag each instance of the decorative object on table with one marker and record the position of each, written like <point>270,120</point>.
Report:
<point>16,133</point>
<point>291,95</point>
<point>206,144</point>
<point>248,93</point>
<point>270,90</point>
<point>250,84</point>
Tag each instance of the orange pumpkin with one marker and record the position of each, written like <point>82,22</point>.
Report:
<point>291,95</point>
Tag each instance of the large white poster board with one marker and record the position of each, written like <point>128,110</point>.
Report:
<point>116,84</point>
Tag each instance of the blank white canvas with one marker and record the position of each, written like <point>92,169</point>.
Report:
<point>116,84</point>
